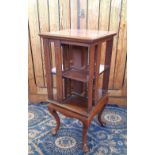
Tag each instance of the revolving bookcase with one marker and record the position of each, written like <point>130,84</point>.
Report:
<point>75,66</point>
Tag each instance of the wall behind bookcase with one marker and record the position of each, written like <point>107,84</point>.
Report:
<point>48,15</point>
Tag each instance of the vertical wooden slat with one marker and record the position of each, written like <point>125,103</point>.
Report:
<point>43,15</point>
<point>31,78</point>
<point>104,15</point>
<point>44,27</point>
<point>35,42</point>
<point>66,65</point>
<point>58,61</point>
<point>54,26</point>
<point>93,14</point>
<point>91,76</point>
<point>48,68</point>
<point>121,50</point>
<point>64,14</point>
<point>74,15</point>
<point>83,13</point>
<point>98,56</point>
<point>109,45</point>
<point>66,57</point>
<point>64,17</point>
<point>124,90</point>
<point>53,15</point>
<point>104,23</point>
<point>114,26</point>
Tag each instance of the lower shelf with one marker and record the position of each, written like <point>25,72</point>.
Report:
<point>77,104</point>
<point>74,103</point>
<point>101,93</point>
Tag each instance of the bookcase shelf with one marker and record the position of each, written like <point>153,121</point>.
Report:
<point>75,74</point>
<point>77,104</point>
<point>78,74</point>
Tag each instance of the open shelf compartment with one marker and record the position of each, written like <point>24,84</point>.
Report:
<point>76,104</point>
<point>79,74</point>
<point>75,74</point>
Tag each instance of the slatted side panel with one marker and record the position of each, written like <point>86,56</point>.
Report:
<point>114,25</point>
<point>104,14</point>
<point>74,14</point>
<point>125,82</point>
<point>104,22</point>
<point>121,50</point>
<point>54,25</point>
<point>31,77</point>
<point>34,28</point>
<point>48,15</point>
<point>44,27</point>
<point>82,13</point>
<point>65,17</point>
<point>93,14</point>
<point>54,20</point>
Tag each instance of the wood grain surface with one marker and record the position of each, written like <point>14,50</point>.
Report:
<point>93,14</point>
<point>114,25</point>
<point>35,42</point>
<point>121,50</point>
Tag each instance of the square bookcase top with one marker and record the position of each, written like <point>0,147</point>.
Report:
<point>81,35</point>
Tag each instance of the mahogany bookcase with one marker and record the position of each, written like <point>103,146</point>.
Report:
<point>77,71</point>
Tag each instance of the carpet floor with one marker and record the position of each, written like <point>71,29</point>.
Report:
<point>109,140</point>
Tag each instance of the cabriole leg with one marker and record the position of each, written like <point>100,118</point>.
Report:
<point>55,115</point>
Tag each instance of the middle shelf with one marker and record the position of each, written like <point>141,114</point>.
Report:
<point>75,74</point>
<point>79,74</point>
